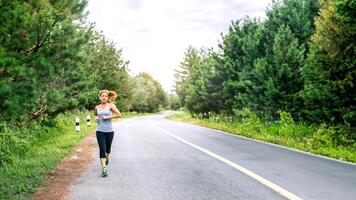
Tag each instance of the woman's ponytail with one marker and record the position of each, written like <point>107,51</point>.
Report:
<point>112,96</point>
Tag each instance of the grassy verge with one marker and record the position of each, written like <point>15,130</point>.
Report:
<point>27,154</point>
<point>322,140</point>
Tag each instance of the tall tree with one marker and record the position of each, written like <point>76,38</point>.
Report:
<point>240,47</point>
<point>39,45</point>
<point>148,94</point>
<point>263,59</point>
<point>181,75</point>
<point>205,84</point>
<point>108,70</point>
<point>51,60</point>
<point>298,15</point>
<point>280,80</point>
<point>329,92</point>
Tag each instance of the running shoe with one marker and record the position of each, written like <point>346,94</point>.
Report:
<point>104,172</point>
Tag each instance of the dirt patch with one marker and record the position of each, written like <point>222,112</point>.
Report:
<point>68,170</point>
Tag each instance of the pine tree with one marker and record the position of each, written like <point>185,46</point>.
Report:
<point>240,47</point>
<point>183,72</point>
<point>329,92</point>
<point>281,78</point>
<point>39,56</point>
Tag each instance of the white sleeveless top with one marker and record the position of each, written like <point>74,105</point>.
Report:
<point>104,125</point>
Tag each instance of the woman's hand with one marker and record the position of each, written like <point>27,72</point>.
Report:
<point>96,118</point>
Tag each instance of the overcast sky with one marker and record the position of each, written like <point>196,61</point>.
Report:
<point>154,34</point>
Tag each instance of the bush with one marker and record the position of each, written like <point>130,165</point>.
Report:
<point>286,118</point>
<point>11,145</point>
<point>30,152</point>
<point>323,136</point>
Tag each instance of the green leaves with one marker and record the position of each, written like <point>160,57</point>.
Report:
<point>329,92</point>
<point>148,95</point>
<point>181,75</point>
<point>106,69</point>
<point>284,63</point>
<point>51,60</point>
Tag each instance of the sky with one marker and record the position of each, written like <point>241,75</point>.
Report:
<point>154,34</point>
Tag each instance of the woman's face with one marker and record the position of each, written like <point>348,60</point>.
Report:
<point>104,97</point>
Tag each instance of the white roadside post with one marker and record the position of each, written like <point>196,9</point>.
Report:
<point>88,120</point>
<point>77,127</point>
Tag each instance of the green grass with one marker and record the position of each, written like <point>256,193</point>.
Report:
<point>318,139</point>
<point>28,154</point>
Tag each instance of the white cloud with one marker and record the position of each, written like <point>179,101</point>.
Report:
<point>154,34</point>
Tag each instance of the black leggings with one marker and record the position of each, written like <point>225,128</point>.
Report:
<point>104,142</point>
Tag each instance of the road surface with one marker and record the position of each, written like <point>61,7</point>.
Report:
<point>156,158</point>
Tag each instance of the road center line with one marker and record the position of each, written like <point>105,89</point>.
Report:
<point>260,179</point>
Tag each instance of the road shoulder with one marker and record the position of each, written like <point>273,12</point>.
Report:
<point>67,171</point>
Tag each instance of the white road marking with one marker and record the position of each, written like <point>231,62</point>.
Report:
<point>260,179</point>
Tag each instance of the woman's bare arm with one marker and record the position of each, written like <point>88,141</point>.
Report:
<point>96,114</point>
<point>116,111</point>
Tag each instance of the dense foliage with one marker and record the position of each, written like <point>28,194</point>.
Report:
<point>300,59</point>
<point>148,94</point>
<point>329,75</point>
<point>289,79</point>
<point>52,60</point>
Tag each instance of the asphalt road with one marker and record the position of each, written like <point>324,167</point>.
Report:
<point>155,158</point>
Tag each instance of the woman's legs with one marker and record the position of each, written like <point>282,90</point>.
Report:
<point>104,142</point>
<point>108,141</point>
<point>100,136</point>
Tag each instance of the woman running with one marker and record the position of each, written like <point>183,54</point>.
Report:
<point>104,112</point>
